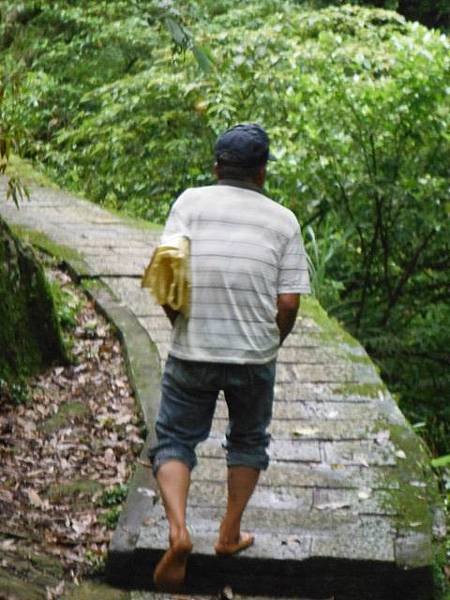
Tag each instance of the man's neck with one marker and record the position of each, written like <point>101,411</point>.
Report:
<point>243,183</point>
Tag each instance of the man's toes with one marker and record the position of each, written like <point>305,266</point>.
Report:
<point>227,548</point>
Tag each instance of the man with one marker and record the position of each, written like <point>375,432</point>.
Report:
<point>248,269</point>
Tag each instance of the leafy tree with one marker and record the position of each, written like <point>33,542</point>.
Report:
<point>355,101</point>
<point>30,337</point>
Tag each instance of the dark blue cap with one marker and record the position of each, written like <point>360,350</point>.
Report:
<point>244,145</point>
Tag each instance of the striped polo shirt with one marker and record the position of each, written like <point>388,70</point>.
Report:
<point>245,250</point>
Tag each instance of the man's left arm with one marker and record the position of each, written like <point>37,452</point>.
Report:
<point>293,280</point>
<point>287,305</point>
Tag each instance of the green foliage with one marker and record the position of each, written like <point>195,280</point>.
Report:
<point>110,518</point>
<point>16,392</point>
<point>67,305</point>
<point>114,495</point>
<point>96,559</point>
<point>112,498</point>
<point>356,102</point>
<point>441,461</point>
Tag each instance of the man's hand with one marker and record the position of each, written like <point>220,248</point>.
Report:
<point>287,313</point>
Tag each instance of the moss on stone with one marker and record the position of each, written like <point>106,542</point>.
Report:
<point>417,494</point>
<point>30,336</point>
<point>41,241</point>
<point>14,587</point>
<point>26,574</point>
<point>47,564</point>
<point>361,359</point>
<point>66,414</point>
<point>330,329</point>
<point>73,491</point>
<point>369,390</point>
<point>91,590</point>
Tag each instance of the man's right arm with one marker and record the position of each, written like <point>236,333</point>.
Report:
<point>287,305</point>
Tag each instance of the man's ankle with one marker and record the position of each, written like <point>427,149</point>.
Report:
<point>179,535</point>
<point>230,530</point>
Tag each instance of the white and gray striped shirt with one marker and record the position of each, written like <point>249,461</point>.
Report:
<point>245,250</point>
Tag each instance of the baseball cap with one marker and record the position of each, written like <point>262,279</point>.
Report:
<point>245,145</point>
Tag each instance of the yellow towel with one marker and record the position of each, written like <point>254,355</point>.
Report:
<point>168,274</point>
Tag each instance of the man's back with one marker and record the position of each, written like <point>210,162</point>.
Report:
<point>245,250</point>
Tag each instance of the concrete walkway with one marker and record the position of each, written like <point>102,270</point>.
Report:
<point>348,508</point>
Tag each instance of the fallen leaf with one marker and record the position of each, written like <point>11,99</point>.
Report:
<point>44,464</point>
<point>7,545</point>
<point>146,492</point>
<point>34,498</point>
<point>382,437</point>
<point>291,540</point>
<point>226,593</point>
<point>364,493</point>
<point>305,431</point>
<point>332,505</point>
<point>56,592</point>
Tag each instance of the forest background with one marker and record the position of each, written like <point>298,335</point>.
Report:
<point>122,101</point>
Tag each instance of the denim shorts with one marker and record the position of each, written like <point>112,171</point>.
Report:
<point>188,400</point>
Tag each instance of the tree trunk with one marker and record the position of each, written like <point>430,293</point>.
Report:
<point>30,337</point>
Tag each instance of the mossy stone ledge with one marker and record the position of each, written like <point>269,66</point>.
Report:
<point>30,337</point>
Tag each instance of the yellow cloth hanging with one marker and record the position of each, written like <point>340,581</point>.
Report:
<point>168,274</point>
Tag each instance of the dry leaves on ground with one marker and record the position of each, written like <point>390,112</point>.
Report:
<point>77,435</point>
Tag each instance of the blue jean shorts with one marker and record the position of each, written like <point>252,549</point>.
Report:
<point>188,400</point>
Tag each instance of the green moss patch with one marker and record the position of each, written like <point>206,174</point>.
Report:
<point>30,336</point>
<point>416,496</point>
<point>26,574</point>
<point>14,587</point>
<point>92,590</point>
<point>370,390</point>
<point>47,564</point>
<point>40,240</point>
<point>74,491</point>
<point>331,329</point>
<point>67,413</point>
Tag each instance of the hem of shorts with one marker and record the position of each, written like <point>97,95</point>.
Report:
<point>263,466</point>
<point>156,462</point>
<point>223,359</point>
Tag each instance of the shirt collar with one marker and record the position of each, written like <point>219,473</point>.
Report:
<point>248,185</point>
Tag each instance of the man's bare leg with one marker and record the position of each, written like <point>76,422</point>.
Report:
<point>241,483</point>
<point>174,479</point>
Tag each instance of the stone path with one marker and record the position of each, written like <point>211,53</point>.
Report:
<point>348,508</point>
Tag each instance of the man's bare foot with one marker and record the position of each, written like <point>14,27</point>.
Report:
<point>170,572</point>
<point>227,548</point>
